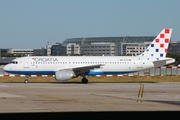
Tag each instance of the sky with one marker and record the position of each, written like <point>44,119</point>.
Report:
<point>31,24</point>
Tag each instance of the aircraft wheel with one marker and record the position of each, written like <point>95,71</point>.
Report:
<point>84,80</point>
<point>26,81</point>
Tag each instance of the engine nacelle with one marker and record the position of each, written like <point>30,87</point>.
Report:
<point>64,75</point>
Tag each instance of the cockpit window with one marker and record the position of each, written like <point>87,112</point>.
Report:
<point>13,62</point>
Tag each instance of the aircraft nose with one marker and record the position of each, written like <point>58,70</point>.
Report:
<point>5,68</point>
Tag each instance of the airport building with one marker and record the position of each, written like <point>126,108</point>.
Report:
<point>60,49</point>
<point>40,52</point>
<point>20,51</point>
<point>3,51</point>
<point>134,48</point>
<point>123,45</point>
<point>109,46</point>
<point>48,50</point>
<point>98,49</point>
<point>174,47</point>
<point>72,49</point>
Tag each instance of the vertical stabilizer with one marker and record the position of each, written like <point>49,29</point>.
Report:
<point>159,47</point>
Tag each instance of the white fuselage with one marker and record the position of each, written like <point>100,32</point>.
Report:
<point>44,65</point>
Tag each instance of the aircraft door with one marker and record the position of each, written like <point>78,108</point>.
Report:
<point>26,63</point>
<point>139,63</point>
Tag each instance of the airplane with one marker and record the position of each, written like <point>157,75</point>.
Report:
<point>68,67</point>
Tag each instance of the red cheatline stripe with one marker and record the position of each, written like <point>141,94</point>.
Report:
<point>6,75</point>
<point>17,75</point>
<point>146,74</point>
<point>103,75</point>
<point>125,74</point>
<point>114,75</point>
<point>39,75</point>
<point>168,66</point>
<point>50,75</point>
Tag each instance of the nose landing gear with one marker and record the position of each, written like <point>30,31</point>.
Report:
<point>26,79</point>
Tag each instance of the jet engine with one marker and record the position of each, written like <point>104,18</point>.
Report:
<point>64,75</point>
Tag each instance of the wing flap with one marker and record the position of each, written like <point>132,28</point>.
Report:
<point>83,69</point>
<point>80,69</point>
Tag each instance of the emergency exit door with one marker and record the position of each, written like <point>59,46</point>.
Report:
<point>26,62</point>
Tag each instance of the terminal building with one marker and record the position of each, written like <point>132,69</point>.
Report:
<point>60,49</point>
<point>174,47</point>
<point>98,49</point>
<point>122,45</point>
<point>133,49</point>
<point>40,52</point>
<point>20,51</point>
<point>94,46</point>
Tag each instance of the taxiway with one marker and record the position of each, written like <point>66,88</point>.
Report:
<point>62,97</point>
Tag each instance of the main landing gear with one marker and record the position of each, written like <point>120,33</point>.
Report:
<point>26,79</point>
<point>84,80</point>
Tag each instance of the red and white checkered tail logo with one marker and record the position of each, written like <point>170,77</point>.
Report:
<point>159,47</point>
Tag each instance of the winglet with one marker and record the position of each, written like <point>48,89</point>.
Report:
<point>159,47</point>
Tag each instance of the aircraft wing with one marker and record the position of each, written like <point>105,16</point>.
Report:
<point>81,69</point>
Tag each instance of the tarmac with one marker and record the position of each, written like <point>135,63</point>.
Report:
<point>78,97</point>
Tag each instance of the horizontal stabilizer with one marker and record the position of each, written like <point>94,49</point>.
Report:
<point>163,62</point>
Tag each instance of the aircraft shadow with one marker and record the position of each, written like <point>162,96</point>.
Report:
<point>166,102</point>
